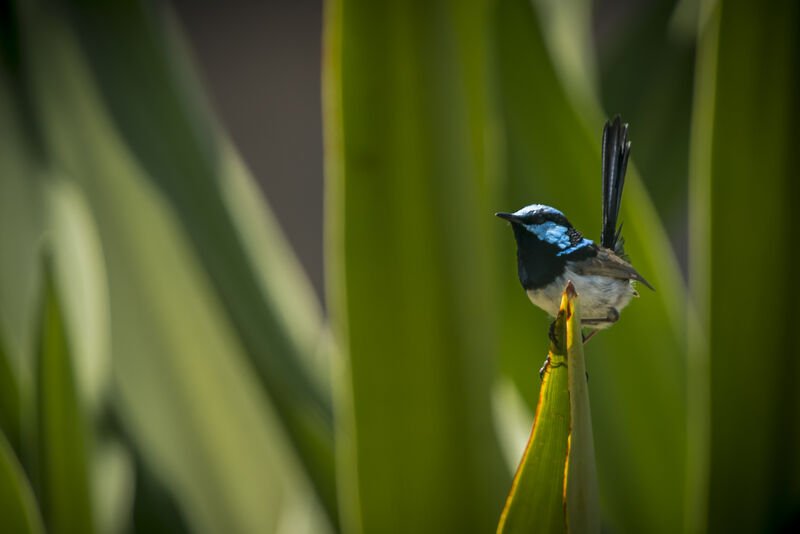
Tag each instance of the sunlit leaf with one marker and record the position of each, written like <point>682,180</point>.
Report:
<point>555,488</point>
<point>536,500</point>
<point>580,494</point>
<point>62,437</point>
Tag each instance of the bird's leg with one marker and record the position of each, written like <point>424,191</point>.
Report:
<point>545,366</point>
<point>551,333</point>
<point>612,317</point>
<point>590,336</point>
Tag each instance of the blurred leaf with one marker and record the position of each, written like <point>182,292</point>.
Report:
<point>567,32</point>
<point>113,484</point>
<point>22,220</point>
<point>17,503</point>
<point>147,83</point>
<point>744,203</point>
<point>183,386</point>
<point>536,500</point>
<point>9,400</point>
<point>638,372</point>
<point>80,270</point>
<point>410,259</point>
<point>62,432</point>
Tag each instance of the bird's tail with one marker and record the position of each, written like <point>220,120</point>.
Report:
<point>616,149</point>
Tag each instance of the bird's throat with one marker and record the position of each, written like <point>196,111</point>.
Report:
<point>537,261</point>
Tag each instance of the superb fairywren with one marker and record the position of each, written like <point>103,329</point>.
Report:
<point>550,251</point>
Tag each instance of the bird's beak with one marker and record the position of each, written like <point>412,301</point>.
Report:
<point>510,217</point>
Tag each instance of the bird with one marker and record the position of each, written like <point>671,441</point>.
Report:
<point>551,252</point>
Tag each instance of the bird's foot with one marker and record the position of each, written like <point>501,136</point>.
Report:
<point>546,365</point>
<point>590,336</point>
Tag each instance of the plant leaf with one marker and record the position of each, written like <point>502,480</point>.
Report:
<point>582,509</point>
<point>147,84</point>
<point>555,488</point>
<point>745,160</point>
<point>62,432</point>
<point>536,500</point>
<point>410,263</point>
<point>10,409</point>
<point>183,385</point>
<point>18,508</point>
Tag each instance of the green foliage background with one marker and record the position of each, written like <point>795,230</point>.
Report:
<point>165,366</point>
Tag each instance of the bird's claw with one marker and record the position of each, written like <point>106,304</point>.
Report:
<point>547,364</point>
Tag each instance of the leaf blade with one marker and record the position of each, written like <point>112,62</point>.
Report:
<point>17,501</point>
<point>536,500</point>
<point>62,431</point>
<point>582,508</point>
<point>408,165</point>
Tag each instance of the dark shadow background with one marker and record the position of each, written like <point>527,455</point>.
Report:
<point>260,62</point>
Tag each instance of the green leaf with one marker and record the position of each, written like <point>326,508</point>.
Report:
<point>581,500</point>
<point>555,488</point>
<point>9,400</point>
<point>62,430</point>
<point>183,382</point>
<point>18,508</point>
<point>536,500</point>
<point>410,263</point>
<point>146,82</point>
<point>638,370</point>
<point>744,263</point>
<point>23,216</point>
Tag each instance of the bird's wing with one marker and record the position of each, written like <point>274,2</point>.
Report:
<point>616,150</point>
<point>606,263</point>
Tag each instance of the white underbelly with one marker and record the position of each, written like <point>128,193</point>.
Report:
<point>598,294</point>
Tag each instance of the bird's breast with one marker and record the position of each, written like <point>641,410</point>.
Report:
<point>597,294</point>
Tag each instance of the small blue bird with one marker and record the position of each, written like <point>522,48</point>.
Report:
<point>550,251</point>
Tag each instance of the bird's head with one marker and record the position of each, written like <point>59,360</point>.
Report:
<point>541,228</point>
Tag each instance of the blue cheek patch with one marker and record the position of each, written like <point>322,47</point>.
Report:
<point>557,235</point>
<point>570,250</point>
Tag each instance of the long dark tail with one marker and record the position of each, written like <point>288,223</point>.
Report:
<point>616,149</point>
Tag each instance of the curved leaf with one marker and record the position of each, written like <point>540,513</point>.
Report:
<point>183,384</point>
<point>536,500</point>
<point>10,413</point>
<point>18,511</point>
<point>555,488</point>
<point>62,432</point>
<point>145,82</point>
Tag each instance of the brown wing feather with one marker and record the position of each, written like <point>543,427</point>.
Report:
<point>606,263</point>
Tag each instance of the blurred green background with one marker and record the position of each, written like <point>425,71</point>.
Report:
<point>198,333</point>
